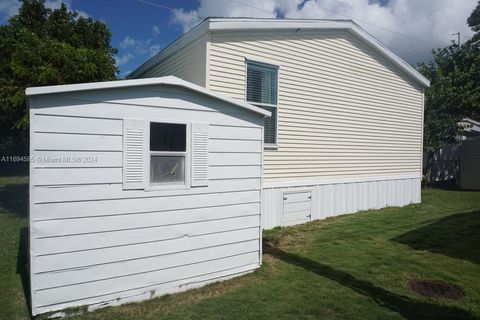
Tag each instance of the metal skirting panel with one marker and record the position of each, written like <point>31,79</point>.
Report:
<point>335,199</point>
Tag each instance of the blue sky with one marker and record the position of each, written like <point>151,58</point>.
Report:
<point>140,28</point>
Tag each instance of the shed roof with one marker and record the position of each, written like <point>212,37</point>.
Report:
<point>168,80</point>
<point>232,24</point>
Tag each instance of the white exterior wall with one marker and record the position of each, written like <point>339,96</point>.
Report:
<point>188,64</point>
<point>345,114</point>
<point>93,243</point>
<point>343,110</point>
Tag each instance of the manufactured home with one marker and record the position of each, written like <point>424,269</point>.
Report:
<point>140,188</point>
<point>164,182</point>
<point>346,129</point>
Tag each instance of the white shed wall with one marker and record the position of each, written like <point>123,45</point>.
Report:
<point>344,111</point>
<point>94,243</point>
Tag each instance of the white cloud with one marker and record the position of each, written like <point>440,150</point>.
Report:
<point>10,8</point>
<point>123,59</point>
<point>432,21</point>
<point>127,42</point>
<point>154,49</point>
<point>187,19</point>
<point>156,30</point>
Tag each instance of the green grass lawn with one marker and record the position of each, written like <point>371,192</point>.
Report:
<point>349,267</point>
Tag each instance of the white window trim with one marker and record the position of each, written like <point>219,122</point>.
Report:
<point>269,146</point>
<point>147,153</point>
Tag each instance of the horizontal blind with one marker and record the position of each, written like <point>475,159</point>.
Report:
<point>261,83</point>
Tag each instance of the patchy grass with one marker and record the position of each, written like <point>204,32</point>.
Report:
<point>349,267</point>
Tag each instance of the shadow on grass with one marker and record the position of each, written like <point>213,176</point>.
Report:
<point>405,306</point>
<point>22,266</point>
<point>456,236</point>
<point>14,199</point>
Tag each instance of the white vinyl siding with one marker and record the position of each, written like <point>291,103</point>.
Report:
<point>94,242</point>
<point>343,110</point>
<point>188,64</point>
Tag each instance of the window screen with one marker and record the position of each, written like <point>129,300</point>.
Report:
<point>167,136</point>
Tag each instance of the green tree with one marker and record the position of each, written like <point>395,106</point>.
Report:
<point>40,47</point>
<point>454,92</point>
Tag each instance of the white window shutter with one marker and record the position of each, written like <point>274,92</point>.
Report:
<point>199,155</point>
<point>133,154</point>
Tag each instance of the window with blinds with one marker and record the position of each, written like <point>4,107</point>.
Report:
<point>262,89</point>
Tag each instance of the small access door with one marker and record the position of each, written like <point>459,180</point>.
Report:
<point>297,207</point>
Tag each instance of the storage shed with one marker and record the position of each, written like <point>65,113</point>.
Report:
<point>140,188</point>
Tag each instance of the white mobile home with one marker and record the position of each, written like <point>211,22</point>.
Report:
<point>347,113</point>
<point>140,188</point>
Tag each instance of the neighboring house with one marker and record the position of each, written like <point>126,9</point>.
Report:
<point>347,114</point>
<point>139,188</point>
<point>451,164</point>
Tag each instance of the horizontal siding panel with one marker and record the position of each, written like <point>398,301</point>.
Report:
<point>63,176</point>
<point>85,225</point>
<point>77,125</point>
<point>235,146</point>
<point>62,193</point>
<point>137,205</point>
<point>97,248</point>
<point>106,287</point>
<point>344,173</point>
<point>294,124</point>
<point>326,131</point>
<point>235,172</point>
<point>77,142</point>
<point>211,251</point>
<point>234,158</point>
<point>69,159</point>
<point>54,176</point>
<point>234,133</point>
<point>348,103</point>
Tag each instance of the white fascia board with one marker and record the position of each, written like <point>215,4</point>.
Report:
<point>168,80</point>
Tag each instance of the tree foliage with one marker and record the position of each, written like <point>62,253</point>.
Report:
<point>40,47</point>
<point>454,92</point>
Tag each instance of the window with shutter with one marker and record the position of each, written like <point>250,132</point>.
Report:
<point>262,91</point>
<point>168,154</point>
<point>133,162</point>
